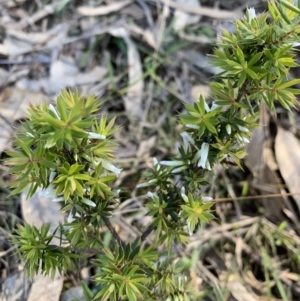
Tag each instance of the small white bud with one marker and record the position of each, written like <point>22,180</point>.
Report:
<point>172,163</point>
<point>228,129</point>
<point>251,13</point>
<point>150,195</point>
<point>108,166</point>
<point>70,217</point>
<point>206,199</point>
<point>183,195</point>
<point>92,135</point>
<point>52,109</point>
<point>203,154</point>
<point>243,129</point>
<point>30,135</point>
<point>187,140</point>
<point>146,184</point>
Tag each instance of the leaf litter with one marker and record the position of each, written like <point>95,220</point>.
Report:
<point>145,58</point>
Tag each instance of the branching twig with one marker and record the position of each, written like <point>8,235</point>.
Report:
<point>114,233</point>
<point>147,233</point>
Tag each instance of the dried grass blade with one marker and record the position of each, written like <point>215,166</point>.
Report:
<point>103,9</point>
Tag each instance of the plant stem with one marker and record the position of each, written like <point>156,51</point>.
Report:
<point>114,233</point>
<point>147,233</point>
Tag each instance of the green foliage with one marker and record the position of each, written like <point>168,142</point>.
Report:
<point>39,253</point>
<point>67,151</point>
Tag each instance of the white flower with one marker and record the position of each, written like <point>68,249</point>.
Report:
<point>228,129</point>
<point>246,140</point>
<point>189,228</point>
<point>192,126</point>
<point>214,106</point>
<point>208,167</point>
<point>207,109</point>
<point>251,13</point>
<point>107,165</point>
<point>70,217</point>
<point>30,135</point>
<point>206,199</point>
<point>183,195</point>
<point>92,135</point>
<point>88,202</point>
<point>187,140</point>
<point>150,195</point>
<point>242,138</point>
<point>181,282</point>
<point>146,184</point>
<point>52,109</point>
<point>172,163</point>
<point>243,129</point>
<point>182,190</point>
<point>202,154</point>
<point>52,176</point>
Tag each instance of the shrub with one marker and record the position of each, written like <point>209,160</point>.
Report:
<point>68,152</point>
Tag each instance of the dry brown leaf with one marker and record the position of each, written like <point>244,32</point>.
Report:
<point>238,290</point>
<point>40,14</point>
<point>63,74</point>
<point>204,11</point>
<point>198,90</point>
<point>14,47</point>
<point>238,252</point>
<point>134,11</point>
<point>103,9</point>
<point>16,73</point>
<point>3,77</point>
<point>57,40</point>
<point>13,106</point>
<point>37,37</point>
<point>18,42</point>
<point>95,75</point>
<point>147,35</point>
<point>254,149</point>
<point>287,151</point>
<point>14,102</point>
<point>259,161</point>
<point>37,211</point>
<point>268,182</point>
<point>11,4</point>
<point>133,100</point>
<point>183,19</point>
<point>145,147</point>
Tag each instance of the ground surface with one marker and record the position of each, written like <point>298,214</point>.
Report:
<point>146,57</point>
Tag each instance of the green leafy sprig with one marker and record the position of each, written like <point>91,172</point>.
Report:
<point>67,151</point>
